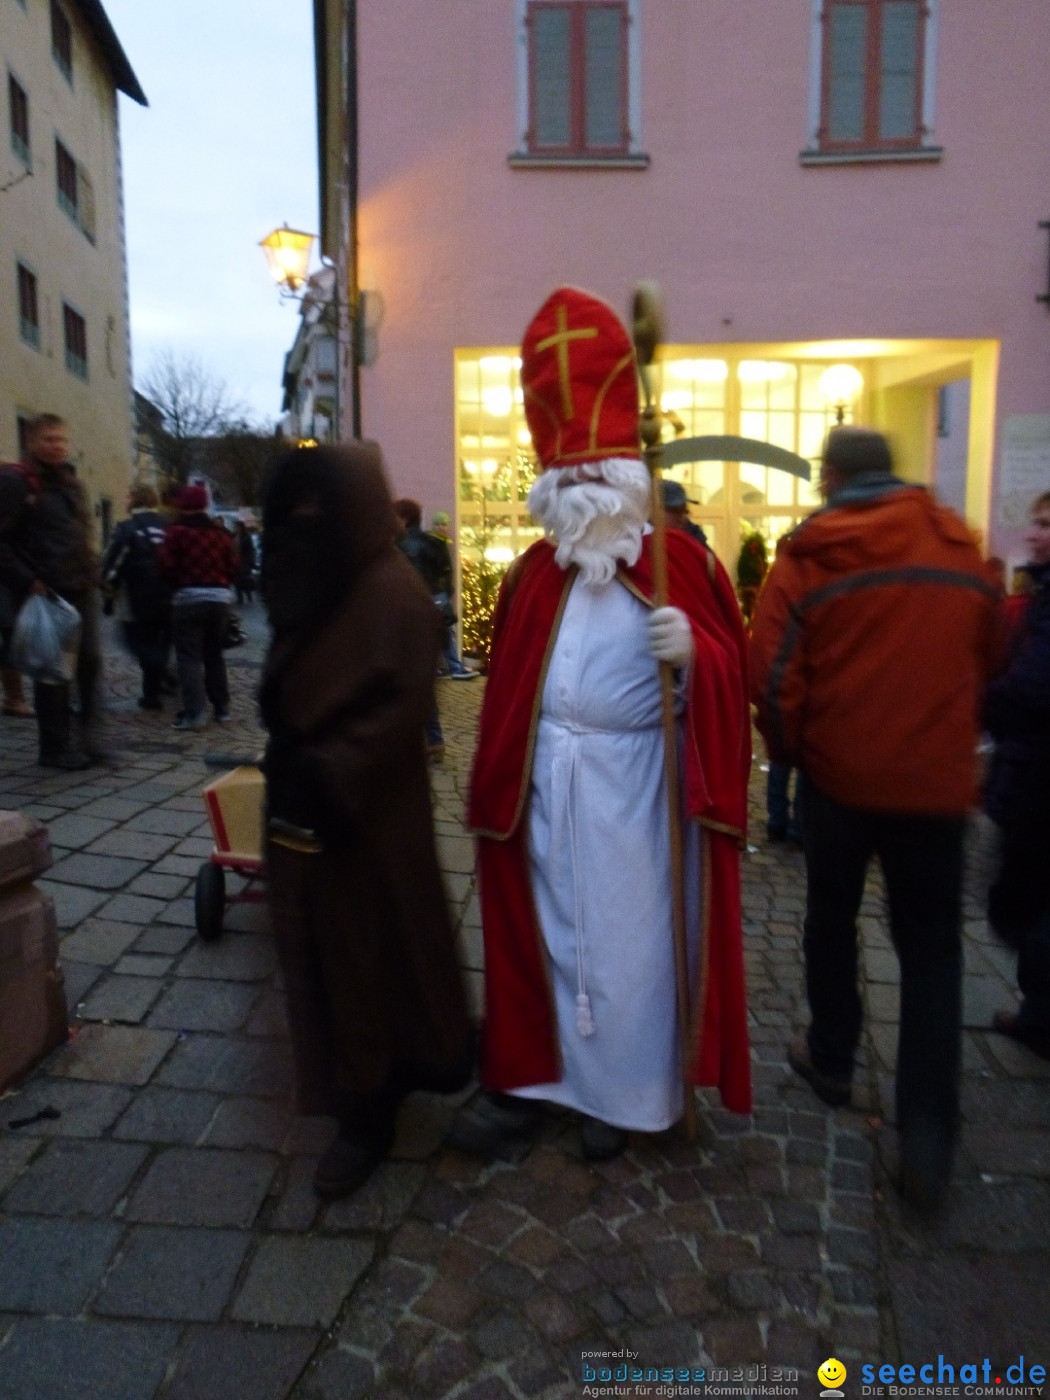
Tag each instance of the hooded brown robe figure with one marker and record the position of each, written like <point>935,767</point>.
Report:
<point>375,998</point>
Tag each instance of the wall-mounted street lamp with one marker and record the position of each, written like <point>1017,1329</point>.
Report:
<point>287,251</point>
<point>841,386</point>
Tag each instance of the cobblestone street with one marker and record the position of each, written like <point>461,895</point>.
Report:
<point>160,1237</point>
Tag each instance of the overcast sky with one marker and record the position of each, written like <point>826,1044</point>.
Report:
<point>225,152</point>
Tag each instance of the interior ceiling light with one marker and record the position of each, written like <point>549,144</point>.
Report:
<point>707,371</point>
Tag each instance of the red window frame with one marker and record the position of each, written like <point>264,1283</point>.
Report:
<point>577,144</point>
<point>870,139</point>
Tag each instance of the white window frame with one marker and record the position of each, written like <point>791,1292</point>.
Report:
<point>928,149</point>
<point>635,155</point>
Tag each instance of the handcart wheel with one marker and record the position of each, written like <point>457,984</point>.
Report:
<point>209,900</point>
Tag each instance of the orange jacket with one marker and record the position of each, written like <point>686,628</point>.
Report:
<point>872,641</point>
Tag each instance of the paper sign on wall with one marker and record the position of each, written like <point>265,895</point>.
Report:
<point>1025,470</point>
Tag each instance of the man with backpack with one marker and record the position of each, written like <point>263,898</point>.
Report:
<point>132,579</point>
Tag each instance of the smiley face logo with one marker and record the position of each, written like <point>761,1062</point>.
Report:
<point>831,1375</point>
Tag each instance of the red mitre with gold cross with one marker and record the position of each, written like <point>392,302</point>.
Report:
<point>580,381</point>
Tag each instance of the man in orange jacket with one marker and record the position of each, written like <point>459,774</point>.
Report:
<point>871,644</point>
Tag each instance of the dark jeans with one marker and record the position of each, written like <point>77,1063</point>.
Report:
<point>922,862</point>
<point>149,642</point>
<point>433,725</point>
<point>783,815</point>
<point>198,630</point>
<point>1033,974</point>
<point>89,656</point>
<point>1019,913</point>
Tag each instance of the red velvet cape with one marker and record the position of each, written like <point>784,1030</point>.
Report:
<point>520,1043</point>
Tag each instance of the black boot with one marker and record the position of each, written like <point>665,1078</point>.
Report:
<point>91,742</point>
<point>52,716</point>
<point>366,1132</point>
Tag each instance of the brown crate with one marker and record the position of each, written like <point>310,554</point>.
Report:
<point>25,849</point>
<point>33,1013</point>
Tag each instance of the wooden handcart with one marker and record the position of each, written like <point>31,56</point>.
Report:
<point>235,804</point>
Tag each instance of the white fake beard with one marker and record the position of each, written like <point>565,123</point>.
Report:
<point>598,519</point>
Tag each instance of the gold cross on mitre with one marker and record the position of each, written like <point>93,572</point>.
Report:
<point>560,339</point>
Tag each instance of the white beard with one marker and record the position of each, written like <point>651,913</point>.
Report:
<point>596,514</point>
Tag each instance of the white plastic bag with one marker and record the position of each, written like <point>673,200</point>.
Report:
<point>46,638</point>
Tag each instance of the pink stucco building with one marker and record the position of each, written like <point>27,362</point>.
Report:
<point>813,183</point>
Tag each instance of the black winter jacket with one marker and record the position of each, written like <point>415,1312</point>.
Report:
<point>47,533</point>
<point>1017,716</point>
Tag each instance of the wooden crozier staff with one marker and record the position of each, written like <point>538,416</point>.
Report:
<point>647,316</point>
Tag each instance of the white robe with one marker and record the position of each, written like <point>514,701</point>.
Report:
<point>600,866</point>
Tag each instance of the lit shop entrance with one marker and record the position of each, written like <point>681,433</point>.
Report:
<point>784,395</point>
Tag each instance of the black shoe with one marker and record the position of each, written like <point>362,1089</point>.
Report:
<point>926,1151</point>
<point>1012,1024</point>
<point>184,720</point>
<point>776,834</point>
<point>492,1121</point>
<point>601,1142</point>
<point>449,1078</point>
<point>349,1162</point>
<point>834,1092</point>
<point>71,760</point>
<point>94,747</point>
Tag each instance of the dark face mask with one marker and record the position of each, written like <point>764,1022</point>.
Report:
<point>304,572</point>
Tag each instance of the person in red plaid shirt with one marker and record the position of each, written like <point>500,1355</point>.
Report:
<point>199,560</point>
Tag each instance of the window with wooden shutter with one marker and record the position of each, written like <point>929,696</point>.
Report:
<point>86,203</point>
<point>872,75</point>
<point>18,111</point>
<point>75,329</point>
<point>28,307</point>
<point>578,77</point>
<point>61,41</point>
<point>66,182</point>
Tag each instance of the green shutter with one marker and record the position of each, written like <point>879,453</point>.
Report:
<point>900,69</point>
<point>551,77</point>
<point>848,42</point>
<point>604,116</point>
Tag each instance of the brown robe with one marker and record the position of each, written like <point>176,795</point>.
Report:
<point>375,997</point>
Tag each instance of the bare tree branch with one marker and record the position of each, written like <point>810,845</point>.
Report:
<point>244,456</point>
<point>193,404</point>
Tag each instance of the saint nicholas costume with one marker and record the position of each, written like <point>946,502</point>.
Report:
<point>568,797</point>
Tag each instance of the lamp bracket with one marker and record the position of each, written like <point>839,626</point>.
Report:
<point>1045,298</point>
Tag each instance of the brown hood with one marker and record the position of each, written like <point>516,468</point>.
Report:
<point>348,486</point>
<point>327,518</point>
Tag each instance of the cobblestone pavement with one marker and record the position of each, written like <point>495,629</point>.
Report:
<point>160,1237</point>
